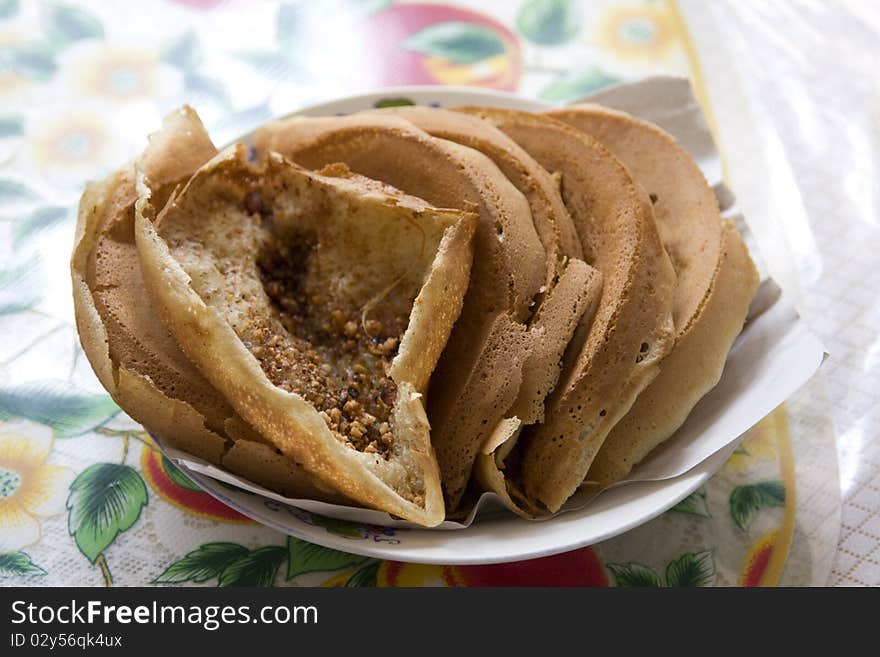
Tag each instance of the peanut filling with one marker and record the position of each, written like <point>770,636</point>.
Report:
<point>324,352</point>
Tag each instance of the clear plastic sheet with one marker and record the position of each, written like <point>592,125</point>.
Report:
<point>795,96</point>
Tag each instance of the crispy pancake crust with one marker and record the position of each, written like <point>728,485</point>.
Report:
<point>563,249</point>
<point>201,269</point>
<point>557,320</point>
<point>552,221</point>
<point>132,354</point>
<point>572,286</point>
<point>715,283</point>
<point>610,362</point>
<point>135,358</point>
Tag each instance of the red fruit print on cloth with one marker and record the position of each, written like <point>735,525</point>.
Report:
<point>416,43</point>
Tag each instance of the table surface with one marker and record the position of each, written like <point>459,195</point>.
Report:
<point>87,499</point>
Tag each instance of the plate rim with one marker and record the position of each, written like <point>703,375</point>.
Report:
<point>383,550</point>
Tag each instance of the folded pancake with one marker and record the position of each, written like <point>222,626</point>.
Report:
<point>564,254</point>
<point>317,304</point>
<point>569,307</point>
<point>571,286</point>
<point>612,360</point>
<point>716,281</point>
<point>135,358</point>
<point>479,374</point>
<point>552,221</point>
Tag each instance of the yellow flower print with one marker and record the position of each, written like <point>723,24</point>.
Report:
<point>759,443</point>
<point>10,80</point>
<point>118,74</point>
<point>74,140</point>
<point>30,489</point>
<point>637,32</point>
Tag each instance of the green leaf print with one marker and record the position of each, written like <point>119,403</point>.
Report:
<point>456,41</point>
<point>105,499</point>
<point>256,568</point>
<point>287,25</point>
<point>691,569</point>
<point>271,64</point>
<point>200,565</point>
<point>207,87</point>
<point>304,557</point>
<point>11,126</point>
<point>8,8</point>
<point>261,59</point>
<point>548,22</point>
<point>694,505</point>
<point>746,501</point>
<point>18,564</point>
<point>13,191</point>
<point>243,120</point>
<point>21,287</point>
<point>576,85</point>
<point>366,576</point>
<point>365,7</point>
<point>176,475</point>
<point>66,24</point>
<point>634,574</point>
<point>34,61</point>
<point>184,53</point>
<point>344,528</point>
<point>69,410</point>
<point>393,102</point>
<point>37,221</point>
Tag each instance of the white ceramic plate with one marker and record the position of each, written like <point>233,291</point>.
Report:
<point>495,538</point>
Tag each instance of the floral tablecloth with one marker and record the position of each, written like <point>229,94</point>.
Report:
<point>85,496</point>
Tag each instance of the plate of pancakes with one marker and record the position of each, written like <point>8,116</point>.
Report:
<point>425,309</point>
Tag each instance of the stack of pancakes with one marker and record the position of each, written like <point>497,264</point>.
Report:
<point>405,308</point>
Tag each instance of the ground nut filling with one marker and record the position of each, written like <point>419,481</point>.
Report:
<point>333,357</point>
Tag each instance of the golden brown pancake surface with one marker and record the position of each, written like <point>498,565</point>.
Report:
<point>715,282</point>
<point>572,287</point>
<point>128,346</point>
<point>614,358</point>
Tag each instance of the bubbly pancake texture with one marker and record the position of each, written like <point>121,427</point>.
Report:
<point>715,282</point>
<point>608,363</point>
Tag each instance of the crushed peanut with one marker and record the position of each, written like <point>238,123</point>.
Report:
<point>325,354</point>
